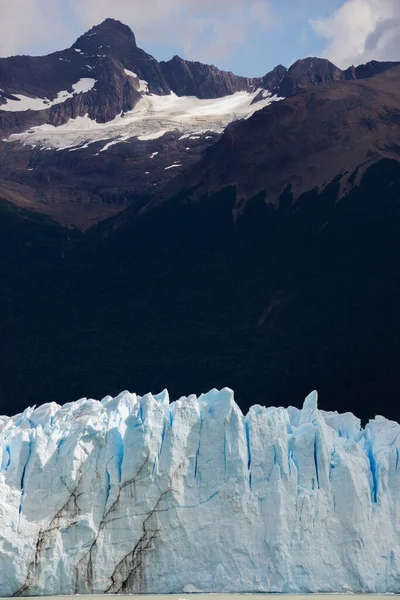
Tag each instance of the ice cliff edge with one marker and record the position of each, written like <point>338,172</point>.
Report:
<point>136,494</point>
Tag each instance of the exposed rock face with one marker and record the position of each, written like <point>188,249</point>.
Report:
<point>314,71</point>
<point>272,80</point>
<point>368,70</point>
<point>186,78</point>
<point>114,40</point>
<point>306,72</point>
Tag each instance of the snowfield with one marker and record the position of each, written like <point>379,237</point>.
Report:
<point>152,117</point>
<point>26,103</point>
<point>134,494</point>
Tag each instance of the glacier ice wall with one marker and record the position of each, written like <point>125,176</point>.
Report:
<point>136,494</point>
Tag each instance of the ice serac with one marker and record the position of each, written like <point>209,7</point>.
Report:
<point>137,494</point>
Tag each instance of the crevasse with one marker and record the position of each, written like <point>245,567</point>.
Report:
<point>134,494</point>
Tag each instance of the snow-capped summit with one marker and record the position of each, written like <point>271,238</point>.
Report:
<point>136,494</point>
<point>109,53</point>
<point>105,96</point>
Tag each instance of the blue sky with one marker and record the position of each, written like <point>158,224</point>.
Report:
<point>290,36</point>
<point>248,37</point>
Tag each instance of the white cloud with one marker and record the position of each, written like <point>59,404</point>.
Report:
<point>26,23</point>
<point>360,31</point>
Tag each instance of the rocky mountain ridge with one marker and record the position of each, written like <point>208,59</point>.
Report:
<point>105,53</point>
<point>107,50</point>
<point>82,96</point>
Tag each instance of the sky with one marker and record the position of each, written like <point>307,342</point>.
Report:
<point>248,37</point>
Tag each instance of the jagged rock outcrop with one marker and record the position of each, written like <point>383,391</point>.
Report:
<point>116,41</point>
<point>368,70</point>
<point>272,80</point>
<point>308,72</point>
<point>187,78</point>
<point>314,71</point>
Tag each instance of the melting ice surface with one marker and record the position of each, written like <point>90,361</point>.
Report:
<point>24,103</point>
<point>134,494</point>
<point>152,117</point>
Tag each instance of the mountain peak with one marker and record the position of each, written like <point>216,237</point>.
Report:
<point>317,69</point>
<point>113,25</point>
<point>311,62</point>
<point>309,71</point>
<point>272,79</point>
<point>111,34</point>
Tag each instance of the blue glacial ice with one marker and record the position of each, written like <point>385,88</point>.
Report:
<point>134,494</point>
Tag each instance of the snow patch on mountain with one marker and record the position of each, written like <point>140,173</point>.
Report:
<point>24,103</point>
<point>152,136</point>
<point>151,118</point>
<point>143,85</point>
<point>136,495</point>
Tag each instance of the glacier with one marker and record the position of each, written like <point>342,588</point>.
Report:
<point>137,494</point>
<point>152,117</point>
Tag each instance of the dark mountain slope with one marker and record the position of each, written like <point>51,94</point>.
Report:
<point>285,300</point>
<point>304,142</point>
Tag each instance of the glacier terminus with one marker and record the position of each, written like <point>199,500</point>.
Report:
<point>139,495</point>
